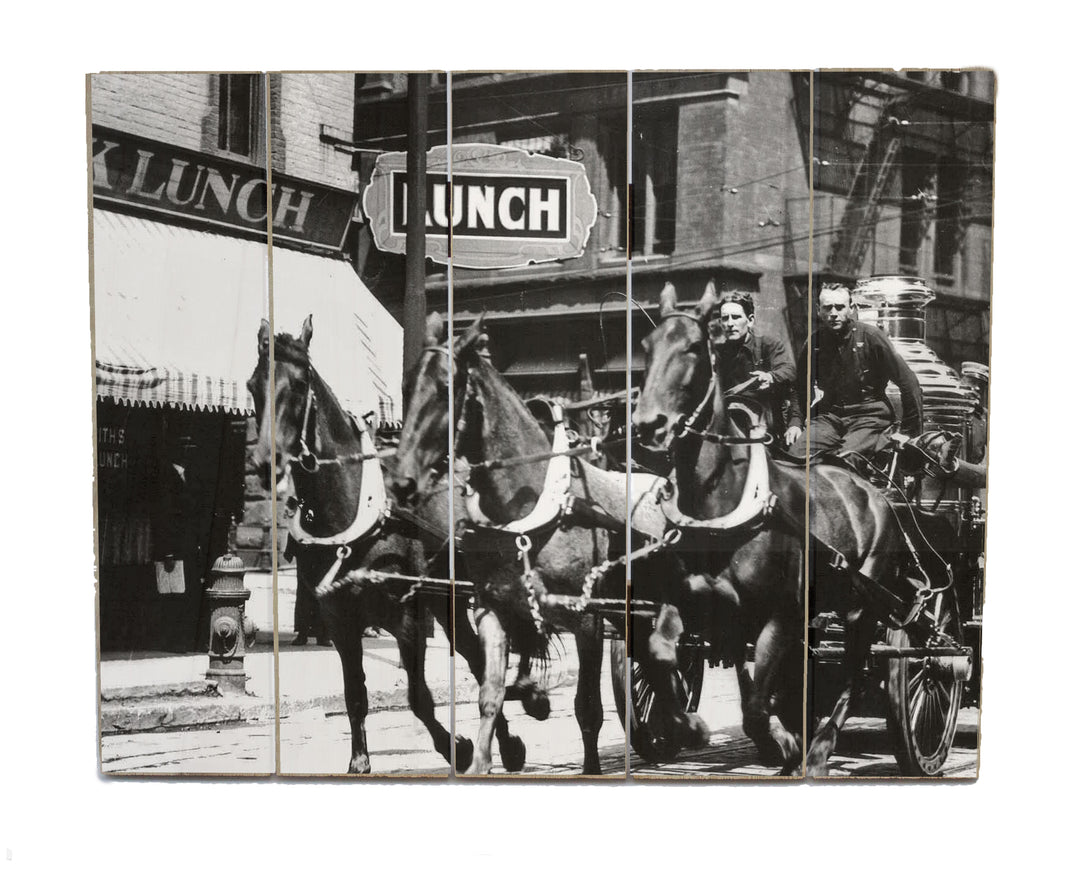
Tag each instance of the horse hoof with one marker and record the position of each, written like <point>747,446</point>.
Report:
<point>695,732</point>
<point>360,764</point>
<point>478,770</point>
<point>663,651</point>
<point>536,704</point>
<point>463,751</point>
<point>512,753</point>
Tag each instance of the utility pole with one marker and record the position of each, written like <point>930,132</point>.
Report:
<point>415,311</point>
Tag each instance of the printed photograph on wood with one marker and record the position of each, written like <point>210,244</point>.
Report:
<point>185,599</point>
<point>362,580</point>
<point>720,240</point>
<point>354,664</point>
<point>898,361</point>
<point>538,394</point>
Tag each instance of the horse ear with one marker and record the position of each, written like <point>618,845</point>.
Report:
<point>469,337</point>
<point>264,336</point>
<point>305,332</point>
<point>668,299</point>
<point>708,299</point>
<point>435,331</point>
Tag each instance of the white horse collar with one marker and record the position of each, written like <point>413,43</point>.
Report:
<point>755,503</point>
<point>370,509</point>
<point>552,500</point>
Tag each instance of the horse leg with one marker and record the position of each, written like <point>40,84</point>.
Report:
<point>534,700</point>
<point>858,638</point>
<point>493,646</point>
<point>588,709</point>
<point>412,646</point>
<point>661,668</point>
<point>347,633</point>
<point>770,659</point>
<point>467,644</point>
<point>440,609</point>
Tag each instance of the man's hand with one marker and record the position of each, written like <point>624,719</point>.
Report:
<point>765,379</point>
<point>792,435</point>
<point>170,563</point>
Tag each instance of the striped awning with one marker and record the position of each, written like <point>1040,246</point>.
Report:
<point>176,313</point>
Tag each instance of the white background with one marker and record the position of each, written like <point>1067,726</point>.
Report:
<point>56,812</point>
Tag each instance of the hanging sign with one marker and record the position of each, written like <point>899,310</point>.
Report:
<point>498,207</point>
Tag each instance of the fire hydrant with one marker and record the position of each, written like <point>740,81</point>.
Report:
<point>231,633</point>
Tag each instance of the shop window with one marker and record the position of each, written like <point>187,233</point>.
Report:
<point>238,113</point>
<point>655,165</point>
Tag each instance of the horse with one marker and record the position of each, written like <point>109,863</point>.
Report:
<point>756,571</point>
<point>525,576</point>
<point>330,459</point>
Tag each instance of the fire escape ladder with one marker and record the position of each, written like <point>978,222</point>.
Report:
<point>861,215</point>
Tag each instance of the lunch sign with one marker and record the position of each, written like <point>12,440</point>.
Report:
<point>503,207</point>
<point>216,192</point>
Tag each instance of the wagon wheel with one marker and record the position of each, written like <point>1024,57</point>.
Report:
<point>652,734</point>
<point>924,698</point>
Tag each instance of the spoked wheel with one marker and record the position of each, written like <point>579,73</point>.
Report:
<point>652,733</point>
<point>924,698</point>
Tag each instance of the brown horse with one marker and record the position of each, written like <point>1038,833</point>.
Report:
<point>755,572</point>
<point>520,592</point>
<point>313,432</point>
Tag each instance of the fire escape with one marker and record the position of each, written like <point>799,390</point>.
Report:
<point>870,186</point>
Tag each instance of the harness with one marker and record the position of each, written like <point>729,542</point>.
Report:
<point>757,500</point>
<point>372,508</point>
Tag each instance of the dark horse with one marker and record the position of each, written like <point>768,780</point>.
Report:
<point>333,462</point>
<point>513,609</point>
<point>754,573</point>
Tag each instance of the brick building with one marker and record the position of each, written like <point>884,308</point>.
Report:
<point>721,176</point>
<point>188,172</point>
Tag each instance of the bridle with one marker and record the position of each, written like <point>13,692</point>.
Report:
<point>307,460</point>
<point>691,424</point>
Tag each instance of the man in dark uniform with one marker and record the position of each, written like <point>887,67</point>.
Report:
<point>852,362</point>
<point>744,354</point>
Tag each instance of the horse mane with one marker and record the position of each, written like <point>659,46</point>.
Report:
<point>291,350</point>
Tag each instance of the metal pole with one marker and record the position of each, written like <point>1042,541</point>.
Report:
<point>415,310</point>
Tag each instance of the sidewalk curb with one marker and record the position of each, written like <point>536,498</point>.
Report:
<point>185,709</point>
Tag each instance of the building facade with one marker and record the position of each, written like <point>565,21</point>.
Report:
<point>192,175</point>
<point>769,181</point>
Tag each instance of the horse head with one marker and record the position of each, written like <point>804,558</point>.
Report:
<point>423,450</point>
<point>292,381</point>
<point>677,367</point>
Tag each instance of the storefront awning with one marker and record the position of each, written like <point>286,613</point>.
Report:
<point>355,345</point>
<point>176,313</point>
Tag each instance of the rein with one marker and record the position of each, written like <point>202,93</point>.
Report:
<point>371,508</point>
<point>690,425</point>
<point>311,463</point>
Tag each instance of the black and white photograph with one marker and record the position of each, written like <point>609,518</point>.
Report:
<point>896,370</point>
<point>720,255</point>
<point>513,397</point>
<point>552,424</point>
<point>360,690</point>
<point>180,274</point>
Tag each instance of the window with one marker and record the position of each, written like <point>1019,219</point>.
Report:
<point>948,230</point>
<point>655,163</point>
<point>238,112</point>
<point>612,186</point>
<point>918,195</point>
